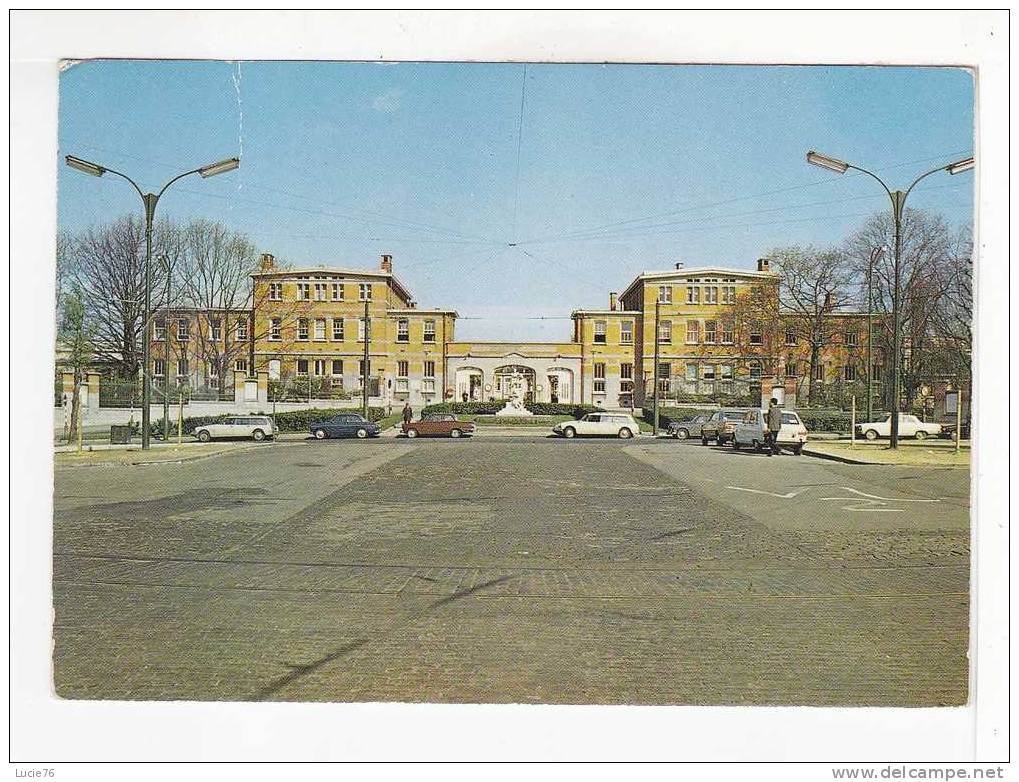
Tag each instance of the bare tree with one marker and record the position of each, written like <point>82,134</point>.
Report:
<point>814,285</point>
<point>108,264</point>
<point>929,271</point>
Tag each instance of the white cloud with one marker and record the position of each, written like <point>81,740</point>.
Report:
<point>387,102</point>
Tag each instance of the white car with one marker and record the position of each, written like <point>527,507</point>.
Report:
<point>909,426</point>
<point>600,424</point>
<point>750,431</point>
<point>257,427</point>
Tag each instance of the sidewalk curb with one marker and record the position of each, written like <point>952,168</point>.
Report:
<point>178,460</point>
<point>850,460</point>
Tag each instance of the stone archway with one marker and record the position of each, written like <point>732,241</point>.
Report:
<point>559,382</point>
<point>500,389</point>
<point>469,384</point>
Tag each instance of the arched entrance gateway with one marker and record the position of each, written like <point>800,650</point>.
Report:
<point>479,378</point>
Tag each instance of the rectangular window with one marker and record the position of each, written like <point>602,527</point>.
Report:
<point>304,291</point>
<point>852,339</point>
<point>599,332</point>
<point>665,294</point>
<point>402,385</point>
<point>302,329</point>
<point>626,332</point>
<point>756,335</point>
<point>361,368</point>
<point>320,329</point>
<point>711,294</point>
<point>664,370</point>
<point>337,367</point>
<point>159,330</point>
<point>320,291</point>
<point>403,330</point>
<point>402,368</point>
<point>710,331</point>
<point>755,370</point>
<point>693,332</point>
<point>241,331</point>
<point>876,372</point>
<point>159,367</point>
<point>626,371</point>
<point>691,372</point>
<point>818,372</point>
<point>790,369</point>
<point>429,369</point>
<point>728,332</point>
<point>215,330</point>
<point>429,331</point>
<point>725,371</point>
<point>790,337</point>
<point>302,366</point>
<point>665,332</point>
<point>241,365</point>
<point>275,291</point>
<point>275,330</point>
<point>338,329</point>
<point>599,378</point>
<point>708,371</point>
<point>182,367</point>
<point>361,328</point>
<point>212,369</point>
<point>693,295</point>
<point>320,367</point>
<point>183,330</point>
<point>849,373</point>
<point>728,294</point>
<point>364,291</point>
<point>337,291</point>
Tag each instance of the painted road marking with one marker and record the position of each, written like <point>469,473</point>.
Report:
<point>788,496</point>
<point>871,502</point>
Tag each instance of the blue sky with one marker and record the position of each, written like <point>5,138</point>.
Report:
<point>608,170</point>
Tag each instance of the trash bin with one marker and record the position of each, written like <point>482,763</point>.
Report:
<point>120,435</point>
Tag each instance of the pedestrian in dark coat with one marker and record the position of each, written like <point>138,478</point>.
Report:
<point>774,421</point>
<point>408,414</point>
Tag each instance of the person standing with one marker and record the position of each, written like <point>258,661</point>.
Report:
<point>408,414</point>
<point>774,422</point>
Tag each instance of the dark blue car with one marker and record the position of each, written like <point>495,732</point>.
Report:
<point>344,425</point>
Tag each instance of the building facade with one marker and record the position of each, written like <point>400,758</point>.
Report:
<point>331,330</point>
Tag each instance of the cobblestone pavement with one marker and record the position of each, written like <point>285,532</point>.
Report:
<point>488,571</point>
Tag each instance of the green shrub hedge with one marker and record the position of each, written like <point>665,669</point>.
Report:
<point>290,421</point>
<point>491,408</point>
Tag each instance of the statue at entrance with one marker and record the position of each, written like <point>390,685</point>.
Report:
<point>515,386</point>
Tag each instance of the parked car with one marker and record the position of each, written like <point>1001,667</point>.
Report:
<point>599,424</point>
<point>691,427</point>
<point>344,425</point>
<point>948,430</point>
<point>750,431</point>
<point>909,426</point>
<point>257,427</point>
<point>438,425</point>
<point>720,425</point>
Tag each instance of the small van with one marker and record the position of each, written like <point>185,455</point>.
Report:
<point>750,431</point>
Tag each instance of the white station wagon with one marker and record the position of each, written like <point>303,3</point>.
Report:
<point>600,424</point>
<point>750,431</point>
<point>909,426</point>
<point>257,427</point>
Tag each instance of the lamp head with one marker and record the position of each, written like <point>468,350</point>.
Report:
<point>825,161</point>
<point>960,165</point>
<point>93,169</point>
<point>220,167</point>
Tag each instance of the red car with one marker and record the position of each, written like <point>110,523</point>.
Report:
<point>439,425</point>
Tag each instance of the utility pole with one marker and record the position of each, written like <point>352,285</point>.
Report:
<point>876,253</point>
<point>166,357</point>
<point>364,367</point>
<point>654,379</point>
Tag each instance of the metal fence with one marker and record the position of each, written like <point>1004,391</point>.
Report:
<point>305,388</point>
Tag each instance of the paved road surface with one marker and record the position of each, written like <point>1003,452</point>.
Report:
<point>511,570</point>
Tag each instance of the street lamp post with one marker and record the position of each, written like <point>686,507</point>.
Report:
<point>658,308</point>
<point>149,200</point>
<point>898,199</point>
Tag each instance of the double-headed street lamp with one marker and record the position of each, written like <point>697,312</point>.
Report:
<point>898,199</point>
<point>150,200</point>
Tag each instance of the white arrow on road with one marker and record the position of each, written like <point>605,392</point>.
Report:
<point>788,496</point>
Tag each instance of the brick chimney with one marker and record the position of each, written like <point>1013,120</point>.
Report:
<point>763,265</point>
<point>268,262</point>
<point>387,264</point>
<point>828,305</point>
<point>679,265</point>
<point>612,300</point>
